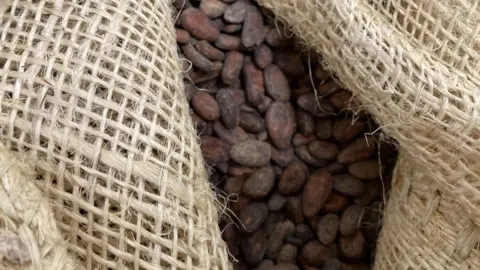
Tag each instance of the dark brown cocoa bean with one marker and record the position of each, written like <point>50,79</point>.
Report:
<point>238,204</point>
<point>229,110</point>
<point>251,153</point>
<point>276,38</point>
<point>332,264</point>
<point>254,246</point>
<point>293,178</point>
<point>183,37</point>
<point>263,56</point>
<point>213,8</point>
<point>303,154</point>
<point>323,150</point>
<point>282,157</point>
<point>360,149</point>
<point>327,228</point>
<point>228,43</point>
<point>231,136</point>
<point>287,254</point>
<point>199,77</point>
<point>232,244</point>
<point>344,130</point>
<point>214,150</point>
<point>323,128</point>
<point>251,121</point>
<point>272,221</point>
<point>275,239</point>
<point>276,202</point>
<point>366,170</point>
<point>336,202</point>
<point>232,28</point>
<point>233,185</point>
<point>305,122</point>
<point>352,247</point>
<point>327,88</point>
<point>314,253</point>
<point>320,73</point>
<point>280,123</point>
<point>371,191</point>
<point>232,67</point>
<point>260,183</point>
<point>276,83</point>
<point>316,192</point>
<point>290,62</point>
<point>342,100</point>
<point>335,168</point>
<point>348,185</point>
<point>197,59</point>
<point>316,106</point>
<point>252,216</point>
<point>238,170</point>
<point>303,233</point>
<point>209,51</point>
<point>284,266</point>
<point>350,221</point>
<point>300,91</point>
<point>253,32</point>
<point>199,25</point>
<point>299,139</point>
<point>293,209</point>
<point>235,13</point>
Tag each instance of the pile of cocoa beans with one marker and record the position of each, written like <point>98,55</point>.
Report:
<point>304,170</point>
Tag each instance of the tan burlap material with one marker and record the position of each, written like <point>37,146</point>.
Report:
<point>414,65</point>
<point>91,94</point>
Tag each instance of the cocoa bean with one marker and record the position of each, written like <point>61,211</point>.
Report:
<point>323,150</point>
<point>253,32</point>
<point>327,88</point>
<point>209,51</point>
<point>213,8</point>
<point>198,123</point>
<point>327,228</point>
<point>316,192</point>
<point>302,153</point>
<point>229,110</point>
<point>314,253</point>
<point>238,96</point>
<point>228,42</point>
<point>335,168</point>
<point>316,106</point>
<point>332,264</point>
<point>232,28</point>
<point>366,170</point>
<point>284,266</point>
<point>273,219</point>
<point>305,122</point>
<point>344,130</point>
<point>293,209</point>
<point>260,183</point>
<point>287,254</point>
<point>282,157</point>
<point>342,100</point>
<point>301,90</point>
<point>280,123</point>
<point>231,136</point>
<point>303,233</point>
<point>336,202</point>
<point>276,38</point>
<point>214,150</point>
<point>350,221</point>
<point>323,128</point>
<point>251,121</point>
<point>233,185</point>
<point>262,136</point>
<point>253,215</point>
<point>360,149</point>
<point>293,178</point>
<point>235,13</point>
<point>219,24</point>
<point>320,73</point>
<point>251,153</point>
<point>348,185</point>
<point>232,67</point>
<point>352,247</point>
<point>197,59</point>
<point>199,25</point>
<point>253,247</point>
<point>238,170</point>
<point>239,204</point>
<point>276,83</point>
<point>300,139</point>
<point>275,239</point>
<point>263,56</point>
<point>263,106</point>
<point>371,191</point>
<point>276,202</point>
<point>182,36</point>
<point>254,86</point>
<point>290,63</point>
<point>202,77</point>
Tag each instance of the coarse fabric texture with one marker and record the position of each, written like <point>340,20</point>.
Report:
<point>414,65</point>
<point>91,92</point>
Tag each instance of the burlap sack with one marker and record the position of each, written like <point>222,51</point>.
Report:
<point>414,65</point>
<point>91,95</point>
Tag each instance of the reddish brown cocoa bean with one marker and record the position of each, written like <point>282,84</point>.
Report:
<point>209,51</point>
<point>314,253</point>
<point>205,106</point>
<point>290,62</point>
<point>342,100</point>
<point>263,106</point>
<point>235,13</point>
<point>287,254</point>
<point>253,32</point>
<point>280,123</point>
<point>352,247</point>
<point>350,221</point>
<point>251,121</point>
<point>214,150</point>
<point>197,59</point>
<point>254,246</point>
<point>305,122</point>
<point>213,8</point>
<point>232,28</point>
<point>293,209</point>
<point>254,86</point>
<point>316,192</point>
<point>276,83</point>
<point>233,185</point>
<point>323,150</point>
<point>229,110</point>
<point>238,96</point>
<point>348,185</point>
<point>299,139</point>
<point>360,149</point>
<point>284,266</point>
<point>323,128</point>
<point>327,228</point>
<point>263,56</point>
<point>303,154</point>
<point>251,153</point>
<point>253,215</point>
<point>327,88</point>
<point>282,157</point>
<point>183,37</point>
<point>231,136</point>
<point>336,202</point>
<point>199,25</point>
<point>232,67</point>
<point>228,43</point>
<point>276,202</point>
<point>366,170</point>
<point>260,183</point>
<point>293,178</point>
<point>316,106</point>
<point>278,234</point>
<point>239,204</point>
<point>344,130</point>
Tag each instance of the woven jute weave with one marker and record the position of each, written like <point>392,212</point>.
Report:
<point>91,95</point>
<point>414,65</point>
